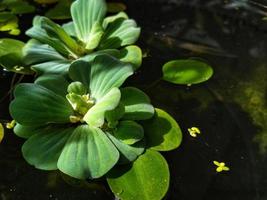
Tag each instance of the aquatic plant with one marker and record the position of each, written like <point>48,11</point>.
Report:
<point>86,125</point>
<point>53,47</point>
<point>78,118</point>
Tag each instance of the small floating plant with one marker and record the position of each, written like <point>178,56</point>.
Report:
<point>78,117</point>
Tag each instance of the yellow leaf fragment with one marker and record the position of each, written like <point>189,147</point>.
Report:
<point>11,124</point>
<point>1,132</point>
<point>221,166</point>
<point>194,131</point>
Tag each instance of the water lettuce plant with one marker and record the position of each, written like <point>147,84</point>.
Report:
<point>82,126</point>
<point>55,47</point>
<point>78,118</point>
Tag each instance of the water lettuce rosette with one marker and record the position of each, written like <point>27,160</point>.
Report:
<point>53,47</point>
<point>83,125</point>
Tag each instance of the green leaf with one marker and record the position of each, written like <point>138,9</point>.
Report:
<point>96,115</point>
<point>128,153</point>
<point>129,132</point>
<point>77,88</point>
<point>69,28</point>
<point>119,33</point>
<point>162,132</point>
<point>60,11</point>
<point>103,74</point>
<point>26,131</point>
<point>131,54</point>
<point>95,36</point>
<point>36,32</point>
<point>56,83</point>
<point>80,71</point>
<point>56,31</point>
<point>53,67</point>
<point>113,18</point>
<point>36,105</point>
<point>108,72</point>
<point>42,150</point>
<point>113,116</point>
<point>2,131</point>
<point>85,13</point>
<point>137,104</point>
<point>186,71</point>
<point>35,52</point>
<point>11,56</point>
<point>18,6</point>
<point>147,179</point>
<point>88,154</point>
<point>8,46</point>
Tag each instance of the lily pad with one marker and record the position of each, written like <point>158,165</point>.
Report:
<point>147,179</point>
<point>162,132</point>
<point>186,71</point>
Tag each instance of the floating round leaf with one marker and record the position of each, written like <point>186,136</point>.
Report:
<point>147,179</point>
<point>186,71</point>
<point>162,132</point>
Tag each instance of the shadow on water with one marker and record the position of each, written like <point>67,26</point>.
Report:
<point>230,109</point>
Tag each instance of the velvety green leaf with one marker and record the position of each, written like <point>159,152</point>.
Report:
<point>186,71</point>
<point>132,54</point>
<point>137,104</point>
<point>36,105</point>
<point>85,13</point>
<point>119,33</point>
<point>60,11</point>
<point>106,73</point>
<point>36,32</point>
<point>35,52</point>
<point>115,7</point>
<point>2,132</point>
<point>162,132</point>
<point>96,115</point>
<point>53,67</point>
<point>147,179</point>
<point>88,154</point>
<point>56,31</point>
<point>113,18</point>
<point>42,150</point>
<point>26,131</point>
<point>128,153</point>
<point>129,132</point>
<point>56,83</point>
<point>95,36</point>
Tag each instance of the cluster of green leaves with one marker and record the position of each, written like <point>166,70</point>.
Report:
<point>53,47</point>
<point>77,118</point>
<point>9,9</point>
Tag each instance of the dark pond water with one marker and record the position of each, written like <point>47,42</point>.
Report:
<point>230,109</point>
